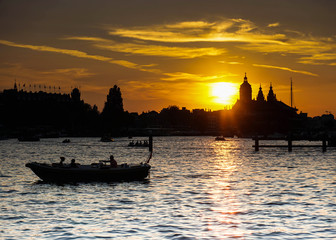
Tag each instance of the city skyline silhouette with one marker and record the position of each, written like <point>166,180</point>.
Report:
<point>161,55</point>
<point>27,115</point>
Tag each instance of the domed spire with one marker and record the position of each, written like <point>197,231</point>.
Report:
<point>271,96</point>
<point>260,96</point>
<point>245,91</point>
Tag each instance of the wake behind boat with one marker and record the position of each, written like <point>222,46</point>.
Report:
<point>104,171</point>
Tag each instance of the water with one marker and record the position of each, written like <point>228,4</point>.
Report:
<point>198,189</point>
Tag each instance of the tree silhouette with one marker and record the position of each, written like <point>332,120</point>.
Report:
<point>113,114</point>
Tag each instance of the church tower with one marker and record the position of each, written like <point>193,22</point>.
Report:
<point>245,91</point>
<point>271,97</point>
<point>260,97</point>
<point>75,95</point>
<point>15,87</point>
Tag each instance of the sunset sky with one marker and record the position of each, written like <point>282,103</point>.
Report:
<point>183,52</point>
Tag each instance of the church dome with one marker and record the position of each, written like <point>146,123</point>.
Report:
<point>75,95</point>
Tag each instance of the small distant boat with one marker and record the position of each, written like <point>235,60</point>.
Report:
<point>29,138</point>
<point>95,172</point>
<point>106,139</point>
<point>220,138</point>
<point>138,144</point>
<point>66,140</point>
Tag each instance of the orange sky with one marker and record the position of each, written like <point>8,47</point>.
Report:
<point>164,53</point>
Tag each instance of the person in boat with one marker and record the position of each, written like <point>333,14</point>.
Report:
<point>62,160</point>
<point>73,163</point>
<point>113,162</point>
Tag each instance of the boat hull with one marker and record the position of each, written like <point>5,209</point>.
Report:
<point>88,173</point>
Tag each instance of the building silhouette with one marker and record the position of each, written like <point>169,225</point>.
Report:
<point>260,115</point>
<point>24,113</point>
<point>55,114</point>
<point>245,91</point>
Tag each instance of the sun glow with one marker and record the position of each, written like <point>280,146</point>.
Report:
<point>224,92</point>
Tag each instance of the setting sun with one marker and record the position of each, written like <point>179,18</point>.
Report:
<point>224,92</point>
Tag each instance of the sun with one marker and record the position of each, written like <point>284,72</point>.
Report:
<point>224,92</point>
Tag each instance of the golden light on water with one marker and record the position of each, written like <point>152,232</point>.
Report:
<point>224,92</point>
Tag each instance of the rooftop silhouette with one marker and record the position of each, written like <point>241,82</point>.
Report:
<point>56,114</point>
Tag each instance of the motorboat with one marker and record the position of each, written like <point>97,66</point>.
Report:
<point>89,173</point>
<point>103,171</point>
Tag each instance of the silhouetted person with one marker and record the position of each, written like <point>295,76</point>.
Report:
<point>73,163</point>
<point>62,160</point>
<point>113,162</point>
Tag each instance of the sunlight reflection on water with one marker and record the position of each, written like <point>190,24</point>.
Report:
<point>198,188</point>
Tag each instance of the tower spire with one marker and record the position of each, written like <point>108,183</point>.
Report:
<point>271,96</point>
<point>291,93</point>
<point>260,96</point>
<point>15,86</point>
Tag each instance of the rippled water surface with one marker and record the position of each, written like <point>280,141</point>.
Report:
<point>198,189</point>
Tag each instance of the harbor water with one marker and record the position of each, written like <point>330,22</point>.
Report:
<point>198,188</point>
